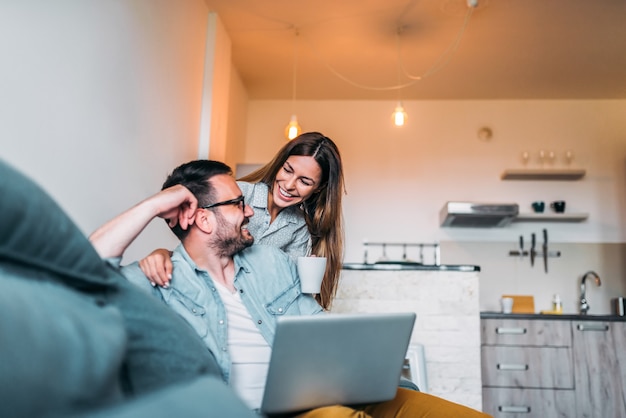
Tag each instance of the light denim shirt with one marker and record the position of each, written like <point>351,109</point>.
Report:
<point>265,277</point>
<point>288,231</point>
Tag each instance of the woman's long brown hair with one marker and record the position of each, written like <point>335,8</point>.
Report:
<point>322,209</point>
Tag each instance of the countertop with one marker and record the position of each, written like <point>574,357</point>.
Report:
<point>408,266</point>
<point>564,317</point>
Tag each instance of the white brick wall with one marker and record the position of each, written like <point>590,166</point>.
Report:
<point>447,325</point>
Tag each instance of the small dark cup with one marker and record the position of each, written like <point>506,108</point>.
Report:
<point>558,206</point>
<point>538,206</point>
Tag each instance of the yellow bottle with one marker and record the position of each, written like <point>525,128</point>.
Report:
<point>557,305</point>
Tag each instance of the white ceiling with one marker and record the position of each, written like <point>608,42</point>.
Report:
<point>508,49</point>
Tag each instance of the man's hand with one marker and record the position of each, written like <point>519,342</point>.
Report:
<point>177,205</point>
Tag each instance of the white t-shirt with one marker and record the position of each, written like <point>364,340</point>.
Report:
<point>249,352</point>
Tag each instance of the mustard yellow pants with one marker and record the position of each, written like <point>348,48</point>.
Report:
<point>407,403</point>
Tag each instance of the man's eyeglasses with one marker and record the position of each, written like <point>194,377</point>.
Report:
<point>238,201</point>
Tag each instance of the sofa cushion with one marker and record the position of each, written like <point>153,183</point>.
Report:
<point>60,352</point>
<point>36,232</point>
<point>204,397</point>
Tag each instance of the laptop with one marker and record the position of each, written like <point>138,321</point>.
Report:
<point>333,359</point>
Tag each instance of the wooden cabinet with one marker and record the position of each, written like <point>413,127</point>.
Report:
<point>527,368</point>
<point>553,368</point>
<point>600,368</point>
<point>520,402</point>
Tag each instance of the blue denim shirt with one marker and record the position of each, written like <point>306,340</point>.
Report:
<point>288,231</point>
<point>265,277</point>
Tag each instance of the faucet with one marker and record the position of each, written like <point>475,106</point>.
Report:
<point>584,306</point>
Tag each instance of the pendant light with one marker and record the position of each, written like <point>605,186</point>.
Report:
<point>293,128</point>
<point>399,115</point>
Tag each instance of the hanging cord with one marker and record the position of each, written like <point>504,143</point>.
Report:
<point>447,54</point>
<point>398,60</point>
<point>354,83</point>
<point>295,71</point>
<point>439,64</point>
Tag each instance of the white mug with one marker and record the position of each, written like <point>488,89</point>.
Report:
<point>311,271</point>
<point>507,305</point>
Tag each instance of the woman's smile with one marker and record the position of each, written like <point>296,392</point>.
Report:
<point>297,180</point>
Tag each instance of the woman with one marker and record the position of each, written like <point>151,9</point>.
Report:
<point>297,202</point>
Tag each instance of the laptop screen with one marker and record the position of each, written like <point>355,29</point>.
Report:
<point>336,359</point>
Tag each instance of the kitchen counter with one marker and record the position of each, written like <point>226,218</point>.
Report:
<point>564,317</point>
<point>403,265</point>
<point>447,328</point>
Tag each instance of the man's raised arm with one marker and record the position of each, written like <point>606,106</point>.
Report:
<point>176,204</point>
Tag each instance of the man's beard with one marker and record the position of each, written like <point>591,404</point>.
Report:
<point>229,239</point>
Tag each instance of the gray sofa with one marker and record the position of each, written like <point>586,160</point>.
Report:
<point>76,339</point>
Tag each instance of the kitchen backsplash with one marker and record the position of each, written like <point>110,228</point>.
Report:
<point>504,274</point>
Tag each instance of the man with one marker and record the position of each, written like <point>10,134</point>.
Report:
<point>215,283</point>
<point>230,291</point>
<point>77,338</point>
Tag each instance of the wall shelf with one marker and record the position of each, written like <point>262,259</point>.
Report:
<point>551,217</point>
<point>543,174</point>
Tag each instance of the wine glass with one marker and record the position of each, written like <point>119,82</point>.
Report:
<point>525,157</point>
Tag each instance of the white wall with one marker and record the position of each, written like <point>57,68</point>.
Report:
<point>99,100</point>
<point>217,92</point>
<point>398,179</point>
<point>237,117</point>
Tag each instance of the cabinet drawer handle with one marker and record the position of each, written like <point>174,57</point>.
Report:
<point>500,330</point>
<point>592,327</point>
<point>516,367</point>
<point>521,409</point>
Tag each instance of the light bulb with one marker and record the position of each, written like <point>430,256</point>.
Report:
<point>399,115</point>
<point>293,129</point>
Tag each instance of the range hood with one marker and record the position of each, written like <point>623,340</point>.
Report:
<point>477,215</point>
